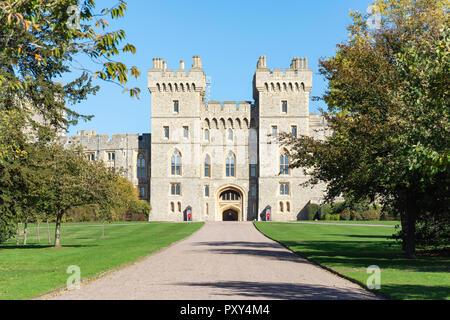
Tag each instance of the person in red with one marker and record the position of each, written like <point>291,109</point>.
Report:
<point>189,216</point>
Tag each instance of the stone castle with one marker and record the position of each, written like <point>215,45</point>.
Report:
<point>217,161</point>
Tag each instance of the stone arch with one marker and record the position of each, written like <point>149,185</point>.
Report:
<point>238,206</point>
<point>285,86</point>
<point>238,123</point>
<point>215,123</point>
<point>182,87</point>
<point>170,87</point>
<point>175,87</point>
<point>222,123</point>
<point>297,87</point>
<point>291,88</point>
<point>230,123</point>
<point>164,87</point>
<point>303,86</point>
<point>158,87</point>
<point>193,86</point>
<point>272,85</point>
<point>188,88</point>
<point>246,123</point>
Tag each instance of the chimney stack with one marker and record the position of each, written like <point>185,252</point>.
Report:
<point>197,63</point>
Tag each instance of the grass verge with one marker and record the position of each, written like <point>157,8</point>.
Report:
<point>350,251</point>
<point>27,272</point>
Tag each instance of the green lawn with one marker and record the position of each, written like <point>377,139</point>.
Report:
<point>383,223</point>
<point>350,250</point>
<point>30,271</point>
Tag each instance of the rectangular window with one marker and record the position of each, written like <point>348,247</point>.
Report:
<point>284,106</point>
<point>186,132</point>
<point>166,132</point>
<point>111,156</point>
<point>253,190</point>
<point>90,156</point>
<point>253,170</point>
<point>274,131</point>
<point>294,131</point>
<point>142,192</point>
<point>284,189</point>
<point>175,189</point>
<point>176,106</point>
<point>207,191</point>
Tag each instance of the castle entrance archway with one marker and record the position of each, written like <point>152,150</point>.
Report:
<point>230,202</point>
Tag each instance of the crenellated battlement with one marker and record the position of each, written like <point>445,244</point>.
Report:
<point>161,79</point>
<point>92,141</point>
<point>296,79</point>
<point>228,107</point>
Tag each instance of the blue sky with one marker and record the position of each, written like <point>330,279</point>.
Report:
<point>229,36</point>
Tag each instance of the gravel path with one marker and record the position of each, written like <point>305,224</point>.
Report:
<point>222,261</point>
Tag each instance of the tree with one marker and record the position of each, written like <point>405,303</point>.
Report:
<point>388,109</point>
<point>41,41</point>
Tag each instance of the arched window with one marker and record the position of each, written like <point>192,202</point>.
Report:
<point>281,207</point>
<point>172,207</point>
<point>206,135</point>
<point>230,195</point>
<point>176,163</point>
<point>230,165</point>
<point>207,166</point>
<point>179,206</point>
<point>288,206</point>
<point>284,163</point>
<point>230,135</point>
<point>141,166</point>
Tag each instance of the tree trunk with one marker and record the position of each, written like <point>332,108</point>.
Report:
<point>25,231</point>
<point>17,235</point>
<point>38,234</point>
<point>48,233</point>
<point>58,232</point>
<point>409,240</point>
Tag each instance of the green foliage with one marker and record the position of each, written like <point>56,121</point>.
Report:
<point>371,215</point>
<point>388,109</point>
<point>346,214</point>
<point>313,210</point>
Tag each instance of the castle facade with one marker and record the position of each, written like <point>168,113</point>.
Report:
<point>217,161</point>
<point>221,161</point>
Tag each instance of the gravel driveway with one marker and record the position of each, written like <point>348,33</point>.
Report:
<point>222,261</point>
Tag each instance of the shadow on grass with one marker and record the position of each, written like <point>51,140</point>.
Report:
<point>356,254</point>
<point>417,292</point>
<point>363,236</point>
<point>283,291</point>
<point>36,246</point>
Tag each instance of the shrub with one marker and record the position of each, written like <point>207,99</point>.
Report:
<point>313,210</point>
<point>325,209</point>
<point>371,215</point>
<point>346,214</point>
<point>356,216</point>
<point>327,217</point>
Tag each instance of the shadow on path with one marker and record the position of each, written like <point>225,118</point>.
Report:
<point>282,291</point>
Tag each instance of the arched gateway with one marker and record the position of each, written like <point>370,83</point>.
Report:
<point>230,203</point>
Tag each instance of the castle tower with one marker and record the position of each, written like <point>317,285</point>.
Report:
<point>282,97</point>
<point>176,100</point>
